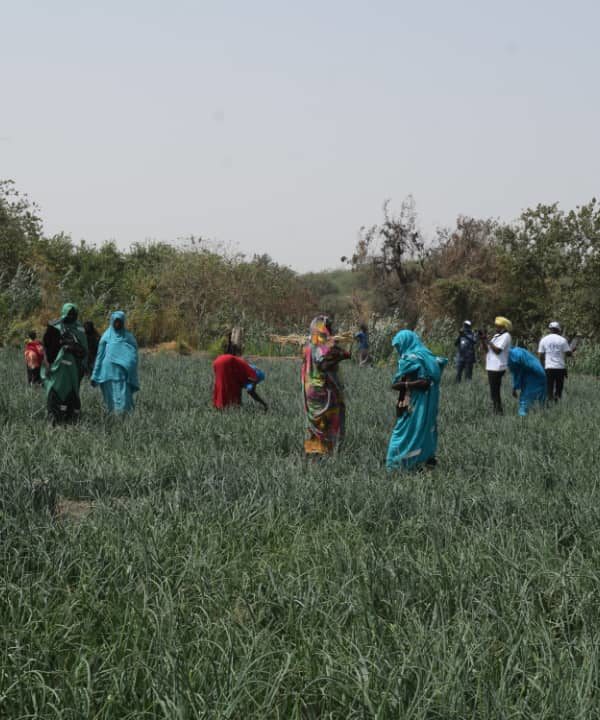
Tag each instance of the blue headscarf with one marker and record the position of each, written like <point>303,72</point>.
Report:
<point>415,357</point>
<point>117,347</point>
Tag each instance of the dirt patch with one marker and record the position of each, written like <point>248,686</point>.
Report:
<point>73,509</point>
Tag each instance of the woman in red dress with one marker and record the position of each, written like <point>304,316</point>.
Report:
<point>232,375</point>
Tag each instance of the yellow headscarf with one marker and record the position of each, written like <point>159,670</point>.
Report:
<point>503,322</point>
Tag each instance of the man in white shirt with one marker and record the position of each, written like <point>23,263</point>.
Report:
<point>552,350</point>
<point>496,359</point>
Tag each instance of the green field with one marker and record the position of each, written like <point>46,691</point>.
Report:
<point>217,575</point>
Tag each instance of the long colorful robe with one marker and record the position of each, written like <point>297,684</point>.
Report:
<point>322,389</point>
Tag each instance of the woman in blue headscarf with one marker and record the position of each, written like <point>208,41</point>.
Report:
<point>417,380</point>
<point>116,368</point>
<point>529,377</point>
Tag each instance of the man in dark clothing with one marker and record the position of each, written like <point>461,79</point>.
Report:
<point>465,351</point>
<point>93,339</point>
<point>362,337</point>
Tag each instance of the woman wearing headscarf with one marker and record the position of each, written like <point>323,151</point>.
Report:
<point>116,367</point>
<point>417,380</point>
<point>322,389</point>
<point>65,348</point>
<point>496,359</point>
<point>529,378</point>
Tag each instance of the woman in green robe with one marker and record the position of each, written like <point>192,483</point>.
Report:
<point>65,346</point>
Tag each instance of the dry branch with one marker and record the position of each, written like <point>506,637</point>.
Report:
<point>343,339</point>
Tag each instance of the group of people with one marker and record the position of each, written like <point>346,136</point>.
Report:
<point>417,380</point>
<point>70,350</point>
<point>535,379</point>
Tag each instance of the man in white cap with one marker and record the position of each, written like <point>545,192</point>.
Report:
<point>465,351</point>
<point>553,349</point>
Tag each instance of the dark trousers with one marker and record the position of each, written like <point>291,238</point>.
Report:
<point>555,380</point>
<point>63,411</point>
<point>465,366</point>
<point>33,376</point>
<point>495,381</point>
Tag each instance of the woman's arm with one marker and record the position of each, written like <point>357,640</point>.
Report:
<point>257,398</point>
<point>333,358</point>
<point>98,364</point>
<point>420,384</point>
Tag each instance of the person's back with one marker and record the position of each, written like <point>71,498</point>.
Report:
<point>554,347</point>
<point>34,357</point>
<point>529,378</point>
<point>553,351</point>
<point>232,374</point>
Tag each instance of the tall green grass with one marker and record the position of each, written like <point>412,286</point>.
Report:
<point>219,576</point>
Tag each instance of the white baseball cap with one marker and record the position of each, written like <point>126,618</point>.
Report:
<point>554,325</point>
<point>468,322</point>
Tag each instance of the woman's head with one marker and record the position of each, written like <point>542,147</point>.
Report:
<point>321,329</point>
<point>404,340</point>
<point>117,320</point>
<point>69,313</point>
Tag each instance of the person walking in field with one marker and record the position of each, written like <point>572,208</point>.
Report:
<point>116,366</point>
<point>362,338</point>
<point>552,351</point>
<point>496,359</point>
<point>322,390</point>
<point>465,351</point>
<point>93,339</point>
<point>528,379</point>
<point>233,374</point>
<point>65,349</point>
<point>417,380</point>
<point>34,358</point>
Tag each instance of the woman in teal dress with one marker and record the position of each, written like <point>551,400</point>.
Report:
<point>116,367</point>
<point>417,380</point>
<point>529,378</point>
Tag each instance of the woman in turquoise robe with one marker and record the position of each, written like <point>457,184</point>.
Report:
<point>417,379</point>
<point>116,367</point>
<point>529,378</point>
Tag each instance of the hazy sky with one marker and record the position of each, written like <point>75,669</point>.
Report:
<point>282,126</point>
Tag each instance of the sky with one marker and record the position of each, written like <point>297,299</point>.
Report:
<point>281,127</point>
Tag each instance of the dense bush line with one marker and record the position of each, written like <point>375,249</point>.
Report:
<point>544,266</point>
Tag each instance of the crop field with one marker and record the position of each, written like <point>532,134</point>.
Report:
<point>197,567</point>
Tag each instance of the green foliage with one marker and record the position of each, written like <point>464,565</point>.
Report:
<point>217,575</point>
<point>193,292</point>
<point>546,265</point>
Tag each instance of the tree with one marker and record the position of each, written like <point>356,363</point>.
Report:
<point>392,245</point>
<point>20,227</point>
